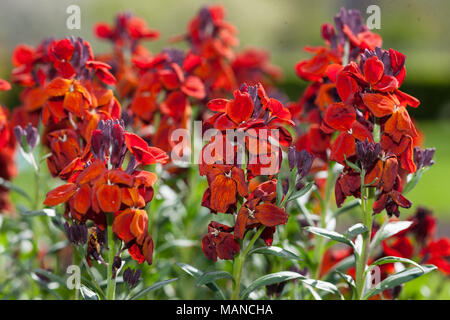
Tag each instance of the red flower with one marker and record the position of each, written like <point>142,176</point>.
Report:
<point>143,152</point>
<point>219,242</point>
<point>342,117</point>
<point>225,183</point>
<point>254,213</point>
<point>438,253</point>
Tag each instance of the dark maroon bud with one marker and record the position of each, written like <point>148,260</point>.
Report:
<point>367,153</point>
<point>117,263</point>
<point>119,148</point>
<point>131,277</point>
<point>301,159</point>
<point>423,157</point>
<point>18,133</point>
<point>76,233</point>
<point>98,149</point>
<point>31,135</point>
<point>329,34</point>
<point>131,165</point>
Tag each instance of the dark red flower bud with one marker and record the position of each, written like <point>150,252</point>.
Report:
<point>301,159</point>
<point>367,153</point>
<point>27,138</point>
<point>423,157</point>
<point>131,277</point>
<point>76,233</point>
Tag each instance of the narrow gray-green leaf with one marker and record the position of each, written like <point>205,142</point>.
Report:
<point>35,213</point>
<point>88,294</point>
<point>276,251</point>
<point>279,189</point>
<point>348,207</point>
<point>322,285</point>
<point>389,230</point>
<point>355,230</point>
<point>8,185</point>
<point>153,287</point>
<point>196,273</point>
<point>333,235</point>
<point>399,278</point>
<point>212,276</point>
<point>391,259</point>
<point>301,192</point>
<point>269,279</point>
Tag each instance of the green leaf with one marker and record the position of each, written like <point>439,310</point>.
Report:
<point>399,278</point>
<point>333,235</point>
<point>153,287</point>
<point>269,279</point>
<point>280,193</point>
<point>348,279</point>
<point>36,213</point>
<point>212,276</point>
<point>391,259</point>
<point>322,285</point>
<point>194,272</point>
<point>8,185</point>
<point>341,266</point>
<point>348,207</point>
<point>352,165</point>
<point>414,180</point>
<point>301,192</point>
<point>276,251</point>
<point>355,230</point>
<point>389,230</point>
<point>179,243</point>
<point>88,294</point>
<point>51,276</point>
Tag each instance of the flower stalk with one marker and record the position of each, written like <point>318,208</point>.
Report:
<point>111,282</point>
<point>239,263</point>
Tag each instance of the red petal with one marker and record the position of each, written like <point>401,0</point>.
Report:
<point>223,193</point>
<point>373,70</point>
<point>82,199</point>
<point>219,105</point>
<point>122,223</point>
<point>241,108</point>
<point>340,116</point>
<point>60,194</point>
<point>270,215</point>
<point>380,105</point>
<point>343,145</point>
<point>109,198</point>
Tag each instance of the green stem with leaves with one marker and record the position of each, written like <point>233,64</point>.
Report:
<point>325,201</point>
<point>239,263</point>
<point>111,282</point>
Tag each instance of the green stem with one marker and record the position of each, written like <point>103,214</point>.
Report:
<point>239,263</point>
<point>367,196</point>
<point>321,242</point>
<point>111,287</point>
<point>88,269</point>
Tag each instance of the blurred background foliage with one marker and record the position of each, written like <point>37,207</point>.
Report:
<point>417,28</point>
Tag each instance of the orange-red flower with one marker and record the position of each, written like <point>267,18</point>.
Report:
<point>225,183</point>
<point>219,242</point>
<point>254,213</point>
<point>342,117</point>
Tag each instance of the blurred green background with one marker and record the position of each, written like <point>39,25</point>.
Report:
<point>419,29</point>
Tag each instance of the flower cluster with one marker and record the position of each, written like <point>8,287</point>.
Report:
<point>259,119</point>
<point>357,112</point>
<point>98,185</point>
<point>222,70</point>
